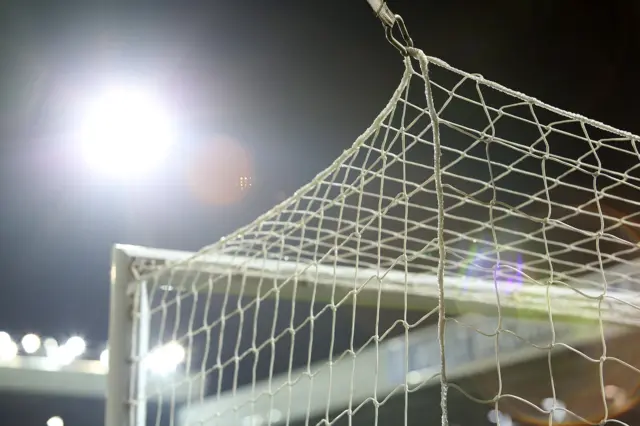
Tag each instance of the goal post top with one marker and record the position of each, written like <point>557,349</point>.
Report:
<point>306,280</point>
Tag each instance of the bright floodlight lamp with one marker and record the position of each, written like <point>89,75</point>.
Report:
<point>165,359</point>
<point>104,358</point>
<point>30,343</point>
<point>8,348</point>
<point>75,346</point>
<point>499,418</point>
<point>125,131</point>
<point>67,353</point>
<point>50,346</point>
<point>55,421</point>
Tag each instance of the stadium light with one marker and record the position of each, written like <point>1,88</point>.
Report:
<point>8,348</point>
<point>50,346</point>
<point>30,343</point>
<point>55,421</point>
<point>4,337</point>
<point>556,407</point>
<point>104,358</point>
<point>499,418</point>
<point>68,352</point>
<point>165,359</point>
<point>66,369</point>
<point>125,131</point>
<point>75,345</point>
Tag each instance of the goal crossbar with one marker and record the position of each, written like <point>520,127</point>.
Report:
<point>253,277</point>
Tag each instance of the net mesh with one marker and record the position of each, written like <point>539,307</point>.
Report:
<point>513,261</point>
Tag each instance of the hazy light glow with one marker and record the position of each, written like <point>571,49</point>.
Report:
<point>66,353</point>
<point>50,346</point>
<point>125,131</point>
<point>30,343</point>
<point>165,359</point>
<point>104,358</point>
<point>8,348</point>
<point>55,421</point>
<point>556,407</point>
<point>497,417</point>
<point>76,345</point>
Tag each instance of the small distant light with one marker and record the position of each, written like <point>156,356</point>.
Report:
<point>104,358</point>
<point>66,353</point>
<point>414,377</point>
<point>275,416</point>
<point>8,350</point>
<point>50,346</point>
<point>30,343</point>
<point>165,359</point>
<point>76,346</point>
<point>55,421</point>
<point>497,417</point>
<point>557,408</point>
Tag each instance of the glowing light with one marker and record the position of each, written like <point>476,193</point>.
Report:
<point>8,348</point>
<point>497,417</point>
<point>67,353</point>
<point>104,358</point>
<point>556,407</point>
<point>125,131</point>
<point>75,346</point>
<point>30,343</point>
<point>50,346</point>
<point>55,421</point>
<point>165,359</point>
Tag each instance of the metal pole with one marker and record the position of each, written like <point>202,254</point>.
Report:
<point>117,412</point>
<point>141,355</point>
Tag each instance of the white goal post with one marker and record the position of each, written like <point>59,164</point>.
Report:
<point>471,231</point>
<point>330,387</point>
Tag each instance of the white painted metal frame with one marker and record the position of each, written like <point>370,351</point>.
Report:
<point>258,277</point>
<point>129,340</point>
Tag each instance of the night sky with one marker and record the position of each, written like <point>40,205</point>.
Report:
<point>294,81</point>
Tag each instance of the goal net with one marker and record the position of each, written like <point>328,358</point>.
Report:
<point>473,253</point>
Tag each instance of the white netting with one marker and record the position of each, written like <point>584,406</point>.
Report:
<point>537,250</point>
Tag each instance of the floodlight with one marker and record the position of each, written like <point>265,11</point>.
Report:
<point>104,358</point>
<point>68,352</point>
<point>165,359</point>
<point>55,421</point>
<point>50,346</point>
<point>125,131</point>
<point>30,343</point>
<point>75,346</point>
<point>499,418</point>
<point>556,407</point>
<point>8,349</point>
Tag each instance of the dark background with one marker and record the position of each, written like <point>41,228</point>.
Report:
<point>296,82</point>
